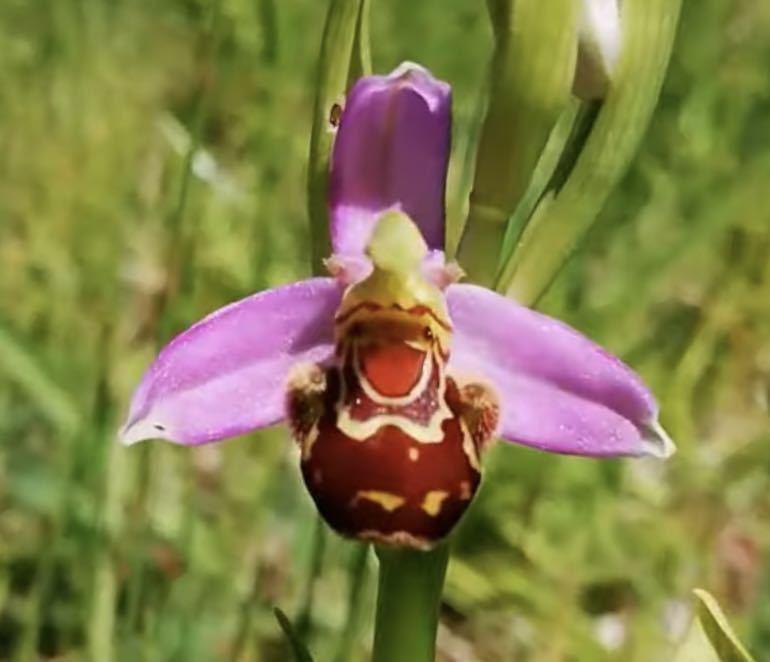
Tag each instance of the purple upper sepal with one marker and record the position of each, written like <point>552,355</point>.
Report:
<point>391,152</point>
<point>226,375</point>
<point>558,391</point>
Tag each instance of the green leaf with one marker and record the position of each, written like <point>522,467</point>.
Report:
<point>300,651</point>
<point>549,167</point>
<point>550,237</point>
<point>711,639</point>
<point>344,55</point>
<point>532,72</point>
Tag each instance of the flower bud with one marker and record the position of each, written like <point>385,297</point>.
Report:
<point>599,44</point>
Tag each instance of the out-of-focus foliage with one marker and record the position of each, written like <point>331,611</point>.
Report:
<point>107,249</point>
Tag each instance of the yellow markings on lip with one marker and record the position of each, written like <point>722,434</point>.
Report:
<point>465,490</point>
<point>414,454</point>
<point>433,500</point>
<point>387,500</point>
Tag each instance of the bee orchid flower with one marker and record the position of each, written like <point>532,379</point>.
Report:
<point>393,376</point>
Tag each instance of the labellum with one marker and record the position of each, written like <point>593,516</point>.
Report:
<point>391,444</point>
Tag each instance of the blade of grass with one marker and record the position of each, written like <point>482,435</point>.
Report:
<point>357,577</point>
<point>305,617</point>
<point>298,649</point>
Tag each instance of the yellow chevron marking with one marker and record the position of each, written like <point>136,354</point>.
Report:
<point>387,500</point>
<point>431,504</point>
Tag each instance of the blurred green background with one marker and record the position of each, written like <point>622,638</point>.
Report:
<point>152,168</point>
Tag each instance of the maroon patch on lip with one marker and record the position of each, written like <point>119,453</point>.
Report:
<point>389,483</point>
<point>393,368</point>
<point>420,409</point>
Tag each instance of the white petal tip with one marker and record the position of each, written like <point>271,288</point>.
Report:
<point>406,68</point>
<point>656,441</point>
<point>133,433</point>
<point>424,83</point>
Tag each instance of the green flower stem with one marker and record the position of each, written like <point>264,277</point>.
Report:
<point>344,48</point>
<point>361,57</point>
<point>345,56</point>
<point>531,78</point>
<point>408,599</point>
<point>564,215</point>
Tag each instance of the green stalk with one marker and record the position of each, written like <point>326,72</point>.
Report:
<point>344,47</point>
<point>345,56</point>
<point>408,599</point>
<point>357,574</point>
<point>361,57</point>
<point>101,636</point>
